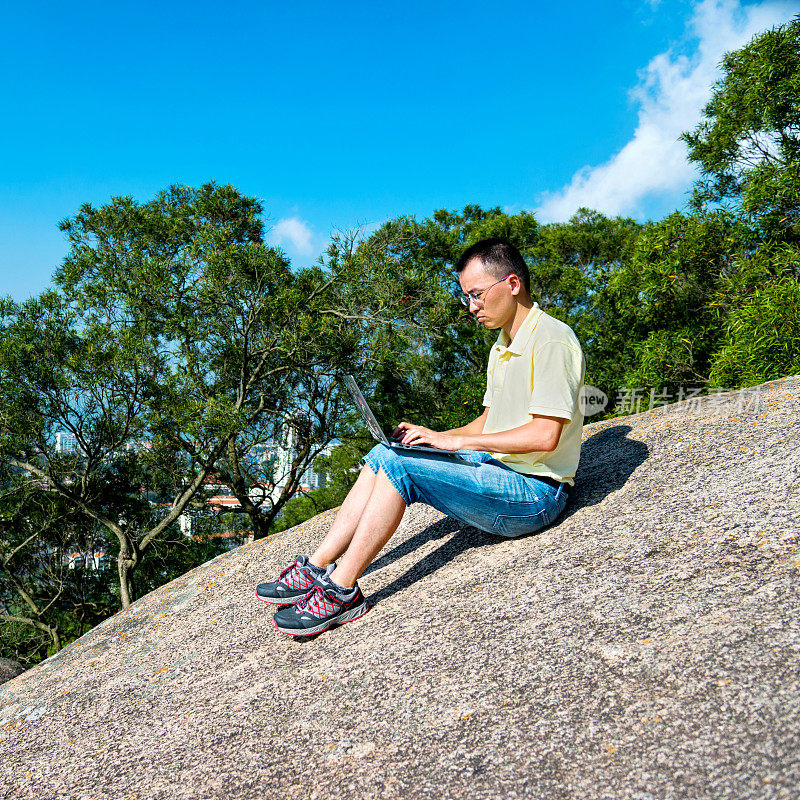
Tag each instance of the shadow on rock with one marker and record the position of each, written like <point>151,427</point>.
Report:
<point>465,538</point>
<point>608,459</point>
<point>435,531</point>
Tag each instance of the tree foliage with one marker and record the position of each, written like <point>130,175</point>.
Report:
<point>748,144</point>
<point>176,342</point>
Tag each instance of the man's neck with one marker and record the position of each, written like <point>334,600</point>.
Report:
<point>522,311</point>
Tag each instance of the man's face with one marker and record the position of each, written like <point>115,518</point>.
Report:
<point>496,307</point>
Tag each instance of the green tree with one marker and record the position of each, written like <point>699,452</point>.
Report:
<point>660,312</point>
<point>762,333</point>
<point>176,343</point>
<point>748,149</point>
<point>748,144</point>
<point>55,377</point>
<point>175,328</point>
<point>48,596</point>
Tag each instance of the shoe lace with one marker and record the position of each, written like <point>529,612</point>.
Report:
<point>288,569</point>
<point>316,592</point>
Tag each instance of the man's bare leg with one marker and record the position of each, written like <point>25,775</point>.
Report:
<point>378,521</point>
<point>344,526</point>
<point>359,532</point>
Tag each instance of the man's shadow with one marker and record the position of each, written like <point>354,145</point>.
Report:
<point>608,459</point>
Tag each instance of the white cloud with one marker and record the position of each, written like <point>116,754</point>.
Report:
<point>294,233</point>
<point>670,95</point>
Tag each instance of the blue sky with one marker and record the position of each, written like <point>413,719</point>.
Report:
<point>348,114</point>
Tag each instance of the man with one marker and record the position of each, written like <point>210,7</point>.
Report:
<point>523,451</point>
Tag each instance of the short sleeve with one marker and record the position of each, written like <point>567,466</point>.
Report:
<point>487,395</point>
<point>557,378</point>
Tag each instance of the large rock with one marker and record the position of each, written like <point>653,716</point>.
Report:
<point>9,669</point>
<point>646,646</point>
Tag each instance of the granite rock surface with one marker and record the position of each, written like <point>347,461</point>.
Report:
<point>645,646</point>
<point>10,669</point>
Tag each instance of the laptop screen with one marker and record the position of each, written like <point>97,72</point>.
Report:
<point>363,407</point>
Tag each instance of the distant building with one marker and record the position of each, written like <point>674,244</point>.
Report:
<point>287,452</point>
<point>313,479</point>
<point>225,502</point>
<point>66,443</point>
<point>285,455</point>
<point>138,445</point>
<point>187,524</point>
<point>96,561</point>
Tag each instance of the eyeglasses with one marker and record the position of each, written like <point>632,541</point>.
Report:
<point>478,297</point>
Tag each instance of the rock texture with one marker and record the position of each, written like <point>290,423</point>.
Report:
<point>9,669</point>
<point>646,646</point>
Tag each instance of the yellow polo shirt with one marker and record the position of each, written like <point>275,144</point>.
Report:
<point>540,372</point>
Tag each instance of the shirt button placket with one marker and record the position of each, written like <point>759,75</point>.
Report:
<point>502,366</point>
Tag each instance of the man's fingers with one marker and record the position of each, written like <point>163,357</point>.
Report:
<point>396,433</point>
<point>406,433</point>
<point>417,436</point>
<point>409,436</point>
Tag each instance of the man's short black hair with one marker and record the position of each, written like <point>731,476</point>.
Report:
<point>499,258</point>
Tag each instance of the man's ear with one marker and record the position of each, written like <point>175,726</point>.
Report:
<point>515,283</point>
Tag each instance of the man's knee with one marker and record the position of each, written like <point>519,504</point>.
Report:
<point>385,458</point>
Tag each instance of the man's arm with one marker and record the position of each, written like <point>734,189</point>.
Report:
<point>541,434</point>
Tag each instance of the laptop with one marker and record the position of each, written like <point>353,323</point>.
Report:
<point>377,431</point>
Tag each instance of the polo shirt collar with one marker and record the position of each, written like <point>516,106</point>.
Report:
<point>523,335</point>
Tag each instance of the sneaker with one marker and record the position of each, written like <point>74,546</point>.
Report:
<point>293,583</point>
<point>319,609</point>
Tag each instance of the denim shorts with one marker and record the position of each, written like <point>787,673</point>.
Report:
<point>484,493</point>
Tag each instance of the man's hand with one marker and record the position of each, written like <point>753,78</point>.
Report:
<point>406,433</point>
